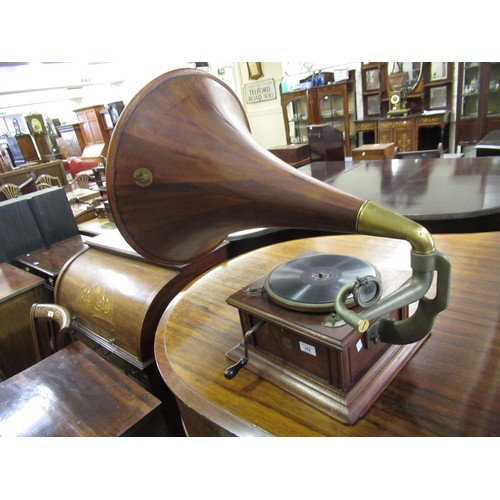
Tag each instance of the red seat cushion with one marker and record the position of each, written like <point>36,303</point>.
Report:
<point>75,165</point>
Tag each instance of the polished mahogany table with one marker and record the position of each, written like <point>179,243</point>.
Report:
<point>450,387</point>
<point>446,195</point>
<point>74,392</point>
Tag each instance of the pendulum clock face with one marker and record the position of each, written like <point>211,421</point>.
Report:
<point>37,126</point>
<point>395,100</point>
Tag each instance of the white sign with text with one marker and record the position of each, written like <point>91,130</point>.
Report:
<point>260,91</point>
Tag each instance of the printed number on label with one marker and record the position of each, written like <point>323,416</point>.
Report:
<point>307,348</point>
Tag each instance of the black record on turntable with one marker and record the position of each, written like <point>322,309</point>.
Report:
<point>311,283</point>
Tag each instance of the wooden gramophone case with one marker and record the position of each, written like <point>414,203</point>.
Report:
<point>315,355</point>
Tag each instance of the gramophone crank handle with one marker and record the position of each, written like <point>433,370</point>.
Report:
<point>233,370</point>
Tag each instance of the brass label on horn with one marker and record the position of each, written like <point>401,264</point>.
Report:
<point>143,177</point>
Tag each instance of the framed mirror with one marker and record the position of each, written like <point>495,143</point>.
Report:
<point>402,78</point>
<point>403,75</point>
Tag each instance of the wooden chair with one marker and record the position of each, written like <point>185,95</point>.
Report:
<point>45,181</point>
<point>50,329</point>
<point>428,153</point>
<point>82,180</point>
<point>10,191</point>
<point>43,185</point>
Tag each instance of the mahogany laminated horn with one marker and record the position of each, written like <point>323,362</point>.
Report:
<point>184,172</point>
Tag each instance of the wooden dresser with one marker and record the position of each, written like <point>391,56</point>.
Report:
<point>410,133</point>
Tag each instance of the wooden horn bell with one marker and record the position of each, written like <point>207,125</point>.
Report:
<point>184,172</point>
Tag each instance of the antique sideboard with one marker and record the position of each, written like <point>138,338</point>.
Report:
<point>409,133</point>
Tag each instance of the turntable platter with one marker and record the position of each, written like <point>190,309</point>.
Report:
<point>311,283</point>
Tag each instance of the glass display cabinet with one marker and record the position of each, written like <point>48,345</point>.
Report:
<point>470,90</point>
<point>493,90</point>
<point>331,104</point>
<point>296,114</point>
<point>478,102</point>
<point>337,107</point>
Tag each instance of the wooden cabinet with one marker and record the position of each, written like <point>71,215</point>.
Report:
<point>297,107</point>
<point>478,101</point>
<point>438,81</point>
<point>373,85</point>
<point>23,149</point>
<point>94,126</point>
<point>432,91</point>
<point>18,291</point>
<point>333,104</point>
<point>401,131</point>
<point>70,140</point>
<point>423,122</point>
<point>409,133</point>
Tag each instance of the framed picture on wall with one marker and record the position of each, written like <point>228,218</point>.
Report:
<point>372,79</point>
<point>439,71</point>
<point>373,105</point>
<point>438,97</point>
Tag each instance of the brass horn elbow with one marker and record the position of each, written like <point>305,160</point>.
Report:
<point>375,220</point>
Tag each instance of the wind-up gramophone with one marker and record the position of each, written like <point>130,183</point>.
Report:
<point>184,172</point>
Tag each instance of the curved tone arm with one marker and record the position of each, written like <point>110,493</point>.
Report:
<point>425,259</point>
<point>420,323</point>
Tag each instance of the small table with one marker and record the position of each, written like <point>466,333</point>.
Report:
<point>449,388</point>
<point>74,392</point>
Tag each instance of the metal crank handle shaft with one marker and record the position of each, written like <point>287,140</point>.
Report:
<point>419,324</point>
<point>233,370</point>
